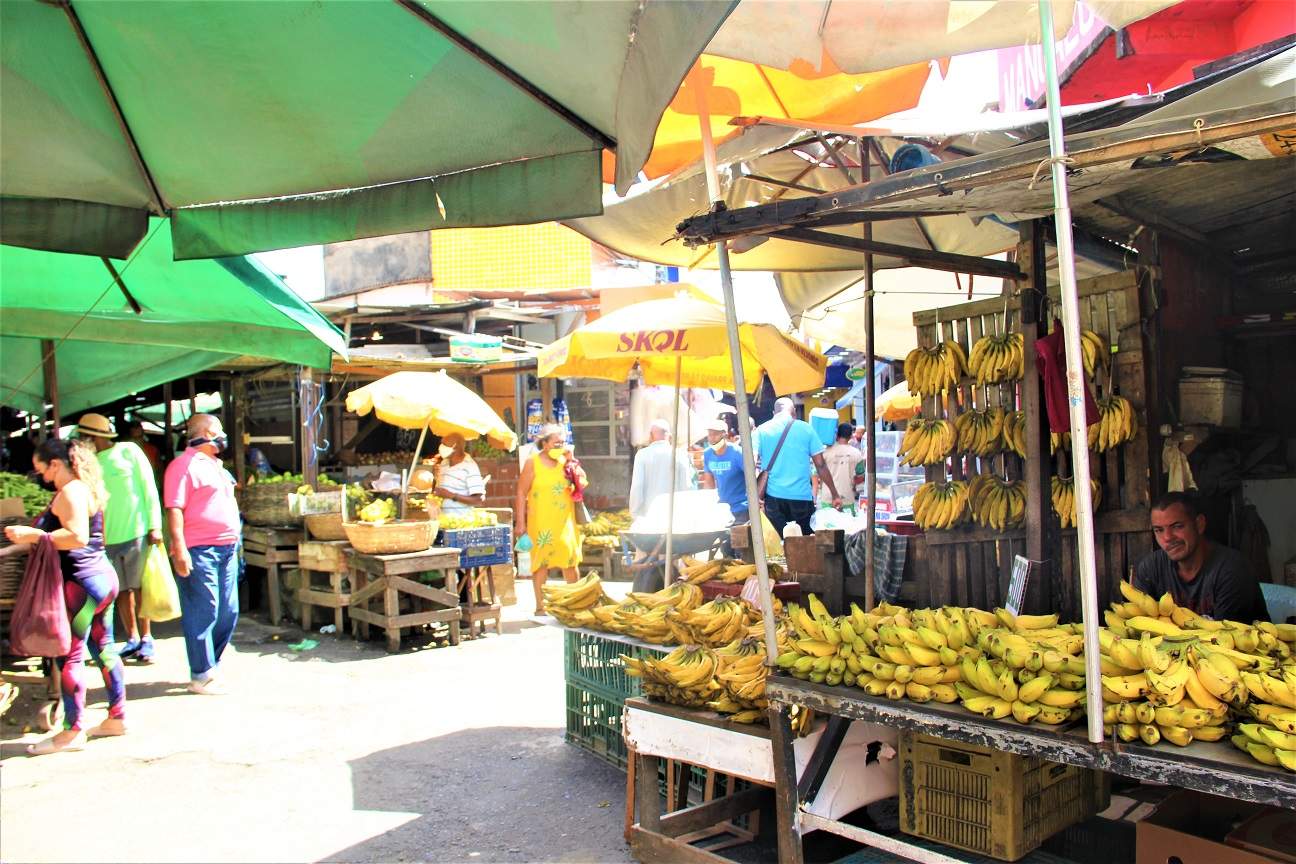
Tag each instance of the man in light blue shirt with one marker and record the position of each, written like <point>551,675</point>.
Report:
<point>789,495</point>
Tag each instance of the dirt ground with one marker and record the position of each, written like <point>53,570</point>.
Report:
<point>340,753</point>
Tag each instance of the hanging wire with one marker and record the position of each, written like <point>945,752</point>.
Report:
<point>112,283</point>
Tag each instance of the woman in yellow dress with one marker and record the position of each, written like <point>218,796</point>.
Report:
<point>546,511</point>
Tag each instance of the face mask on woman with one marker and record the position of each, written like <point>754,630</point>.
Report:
<point>555,453</point>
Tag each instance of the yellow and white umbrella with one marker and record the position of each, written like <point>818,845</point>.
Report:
<point>681,342</point>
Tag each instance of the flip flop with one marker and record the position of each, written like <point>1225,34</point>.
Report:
<point>46,747</point>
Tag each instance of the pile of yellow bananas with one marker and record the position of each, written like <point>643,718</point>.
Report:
<point>573,603</point>
<point>729,679</point>
<point>1115,426</point>
<point>927,442</point>
<point>996,502</point>
<point>378,511</point>
<point>478,518</point>
<point>722,569</point>
<point>1063,495</point>
<point>980,431</point>
<point>1096,351</point>
<point>644,616</point>
<point>998,358</point>
<point>1181,677</point>
<point>931,370</point>
<point>940,504</point>
<point>995,664</point>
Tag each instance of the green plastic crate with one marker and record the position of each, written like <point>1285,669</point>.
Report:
<point>594,722</point>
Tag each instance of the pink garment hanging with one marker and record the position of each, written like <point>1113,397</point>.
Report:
<point>1050,354</point>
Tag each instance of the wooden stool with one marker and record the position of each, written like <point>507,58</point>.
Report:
<point>479,602</point>
<point>270,549</point>
<point>325,580</point>
<point>387,576</point>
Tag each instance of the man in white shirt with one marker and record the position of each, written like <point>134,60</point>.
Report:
<point>653,472</point>
<point>458,479</point>
<point>843,460</point>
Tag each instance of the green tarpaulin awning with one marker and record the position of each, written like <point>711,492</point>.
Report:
<point>193,315</point>
<point>261,126</point>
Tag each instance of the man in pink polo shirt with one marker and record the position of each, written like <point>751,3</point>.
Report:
<point>204,524</point>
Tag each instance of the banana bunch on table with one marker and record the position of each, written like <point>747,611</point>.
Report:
<point>573,603</point>
<point>715,623</point>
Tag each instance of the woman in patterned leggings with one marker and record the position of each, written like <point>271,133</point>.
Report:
<point>74,521</point>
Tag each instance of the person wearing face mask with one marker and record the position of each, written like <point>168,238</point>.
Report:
<point>722,470</point>
<point>545,511</point>
<point>75,522</point>
<point>203,521</point>
<point>458,479</point>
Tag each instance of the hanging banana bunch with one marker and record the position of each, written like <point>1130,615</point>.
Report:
<point>941,505</point>
<point>995,502</point>
<point>1063,495</point>
<point>998,358</point>
<point>1115,426</point>
<point>1095,350</point>
<point>1014,432</point>
<point>980,431</point>
<point>931,370</point>
<point>927,442</point>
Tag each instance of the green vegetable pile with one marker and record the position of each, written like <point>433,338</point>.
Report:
<point>35,499</point>
<point>258,480</point>
<point>480,448</point>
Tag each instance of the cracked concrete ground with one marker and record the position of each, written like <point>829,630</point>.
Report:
<point>342,753</point>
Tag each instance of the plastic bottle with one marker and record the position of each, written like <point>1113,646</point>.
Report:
<point>791,529</point>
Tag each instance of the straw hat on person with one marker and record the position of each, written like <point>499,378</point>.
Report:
<point>96,425</point>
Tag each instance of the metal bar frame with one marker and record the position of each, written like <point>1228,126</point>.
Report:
<point>930,259</point>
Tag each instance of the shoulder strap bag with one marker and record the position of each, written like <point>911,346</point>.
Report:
<point>762,478</point>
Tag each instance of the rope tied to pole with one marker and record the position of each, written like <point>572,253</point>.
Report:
<point>1049,162</point>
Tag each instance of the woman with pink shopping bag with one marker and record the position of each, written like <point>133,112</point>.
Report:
<point>74,523</point>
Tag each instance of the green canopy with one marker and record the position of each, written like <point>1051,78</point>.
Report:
<point>259,126</point>
<point>193,315</point>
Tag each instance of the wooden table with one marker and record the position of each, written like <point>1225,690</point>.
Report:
<point>387,576</point>
<point>323,560</point>
<point>270,549</point>
<point>1214,768</point>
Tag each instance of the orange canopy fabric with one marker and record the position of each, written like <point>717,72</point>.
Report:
<point>735,88</point>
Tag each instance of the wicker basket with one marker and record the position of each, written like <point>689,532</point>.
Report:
<point>391,538</point>
<point>267,504</point>
<point>326,526</point>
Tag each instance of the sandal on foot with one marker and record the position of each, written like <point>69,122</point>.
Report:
<point>46,747</point>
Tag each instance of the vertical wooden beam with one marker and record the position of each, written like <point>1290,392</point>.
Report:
<point>786,799</point>
<point>1042,528</point>
<point>870,395</point>
<point>49,368</point>
<point>307,402</point>
<point>648,796</point>
<point>238,410</point>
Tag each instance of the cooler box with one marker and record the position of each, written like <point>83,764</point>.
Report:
<point>476,349</point>
<point>824,421</point>
<point>1213,399</point>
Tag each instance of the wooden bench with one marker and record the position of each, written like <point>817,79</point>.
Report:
<point>388,577</point>
<point>326,580</point>
<point>271,549</point>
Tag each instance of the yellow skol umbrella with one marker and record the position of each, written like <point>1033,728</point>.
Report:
<point>897,404</point>
<point>681,342</point>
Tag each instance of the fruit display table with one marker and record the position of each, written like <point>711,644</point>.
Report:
<point>388,577</point>
<point>271,549</point>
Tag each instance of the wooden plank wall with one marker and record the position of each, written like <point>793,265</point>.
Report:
<point>970,566</point>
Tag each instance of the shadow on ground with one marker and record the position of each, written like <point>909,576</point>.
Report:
<point>491,795</point>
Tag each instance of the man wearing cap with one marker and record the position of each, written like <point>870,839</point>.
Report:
<point>722,467</point>
<point>204,522</point>
<point>132,523</point>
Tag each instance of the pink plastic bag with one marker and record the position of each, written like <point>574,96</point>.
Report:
<point>39,626</point>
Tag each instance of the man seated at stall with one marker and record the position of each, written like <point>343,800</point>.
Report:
<point>459,481</point>
<point>1210,579</point>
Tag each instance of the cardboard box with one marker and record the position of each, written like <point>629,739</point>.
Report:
<point>1191,827</point>
<point>12,508</point>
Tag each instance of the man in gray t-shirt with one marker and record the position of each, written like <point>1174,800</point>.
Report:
<point>1210,579</point>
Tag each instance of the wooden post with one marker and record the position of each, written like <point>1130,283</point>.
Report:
<point>308,403</point>
<point>193,396</point>
<point>238,414</point>
<point>786,799</point>
<point>50,370</point>
<point>1042,528</point>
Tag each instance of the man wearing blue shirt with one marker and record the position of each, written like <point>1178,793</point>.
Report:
<point>722,464</point>
<point>789,496</point>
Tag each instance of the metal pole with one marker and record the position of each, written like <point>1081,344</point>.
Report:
<point>418,449</point>
<point>870,397</point>
<point>740,391</point>
<point>670,498</point>
<point>1075,380</point>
